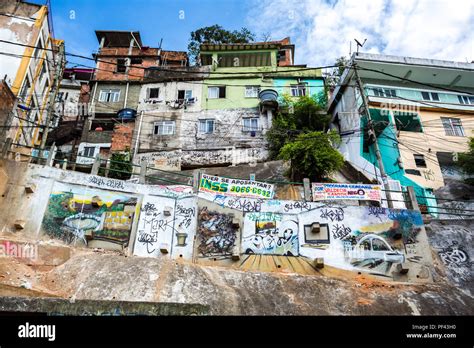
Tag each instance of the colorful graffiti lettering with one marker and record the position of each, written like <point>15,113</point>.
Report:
<point>216,234</point>
<point>264,216</point>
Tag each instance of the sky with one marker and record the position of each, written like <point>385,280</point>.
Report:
<point>322,30</point>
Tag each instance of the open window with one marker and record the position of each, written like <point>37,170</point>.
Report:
<point>121,65</point>
<point>216,92</point>
<point>420,160</point>
<point>408,122</point>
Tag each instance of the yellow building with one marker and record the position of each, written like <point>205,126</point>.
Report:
<point>28,66</point>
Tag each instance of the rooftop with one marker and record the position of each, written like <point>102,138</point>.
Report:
<point>118,38</point>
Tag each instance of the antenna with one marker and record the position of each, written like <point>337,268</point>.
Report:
<point>359,44</point>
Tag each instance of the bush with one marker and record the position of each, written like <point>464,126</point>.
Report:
<point>312,155</point>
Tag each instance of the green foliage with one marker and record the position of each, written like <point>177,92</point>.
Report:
<point>332,79</point>
<point>120,166</point>
<point>305,114</point>
<point>466,160</point>
<point>215,34</point>
<point>313,155</point>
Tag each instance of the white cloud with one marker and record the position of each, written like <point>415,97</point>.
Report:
<point>322,29</point>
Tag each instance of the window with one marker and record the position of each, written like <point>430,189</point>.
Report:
<point>420,160</point>
<point>298,90</point>
<point>430,96</point>
<point>136,61</point>
<point>252,91</point>
<point>25,88</point>
<point>281,55</point>
<point>250,124</point>
<point>32,108</point>
<point>413,172</point>
<point>387,93</point>
<point>206,126</point>
<point>216,92</point>
<point>89,151</point>
<point>39,48</point>
<point>109,95</point>
<point>164,128</point>
<point>408,122</point>
<point>185,94</point>
<point>188,94</point>
<point>43,71</point>
<point>152,93</point>
<point>464,99</point>
<point>452,126</point>
<point>121,66</point>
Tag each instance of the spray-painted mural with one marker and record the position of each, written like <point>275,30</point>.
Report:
<point>270,233</point>
<point>78,214</point>
<point>217,234</point>
<point>373,239</point>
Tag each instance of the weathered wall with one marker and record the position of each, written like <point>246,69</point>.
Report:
<point>453,246</point>
<point>177,159</point>
<point>370,239</point>
<point>172,222</point>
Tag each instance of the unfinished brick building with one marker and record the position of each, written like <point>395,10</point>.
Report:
<point>121,65</point>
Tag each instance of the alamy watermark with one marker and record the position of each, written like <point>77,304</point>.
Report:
<point>19,250</point>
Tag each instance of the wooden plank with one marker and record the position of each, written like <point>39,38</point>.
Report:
<point>285,264</point>
<point>306,266</point>
<point>249,262</point>
<point>264,265</point>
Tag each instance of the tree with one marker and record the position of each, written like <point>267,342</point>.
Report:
<point>332,78</point>
<point>466,161</point>
<point>313,155</point>
<point>120,166</point>
<point>215,34</point>
<point>298,134</point>
<point>305,114</point>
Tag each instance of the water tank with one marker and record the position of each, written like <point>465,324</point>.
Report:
<point>127,114</point>
<point>268,95</point>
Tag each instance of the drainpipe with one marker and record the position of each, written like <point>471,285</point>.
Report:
<point>126,96</point>
<point>138,134</point>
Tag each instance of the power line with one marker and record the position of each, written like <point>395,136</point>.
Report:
<point>174,70</point>
<point>416,82</point>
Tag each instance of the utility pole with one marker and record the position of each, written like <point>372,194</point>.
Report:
<point>58,71</point>
<point>376,145</point>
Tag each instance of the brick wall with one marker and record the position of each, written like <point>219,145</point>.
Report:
<point>122,137</point>
<point>7,100</point>
<point>108,59</point>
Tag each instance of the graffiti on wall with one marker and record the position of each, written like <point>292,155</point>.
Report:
<point>217,234</point>
<point>155,227</point>
<point>378,246</point>
<point>170,160</point>
<point>456,259</point>
<point>272,236</point>
<point>177,158</point>
<point>77,214</point>
<point>243,204</point>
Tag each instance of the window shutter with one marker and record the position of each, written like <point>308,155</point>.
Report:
<point>148,93</point>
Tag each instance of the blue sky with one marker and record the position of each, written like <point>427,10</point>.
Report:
<point>76,20</point>
<point>321,29</point>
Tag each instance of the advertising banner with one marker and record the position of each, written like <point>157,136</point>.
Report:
<point>347,191</point>
<point>235,187</point>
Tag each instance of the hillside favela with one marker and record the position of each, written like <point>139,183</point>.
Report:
<point>220,159</point>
